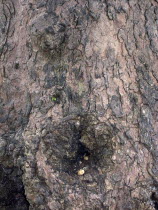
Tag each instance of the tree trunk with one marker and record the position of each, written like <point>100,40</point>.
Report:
<point>79,104</point>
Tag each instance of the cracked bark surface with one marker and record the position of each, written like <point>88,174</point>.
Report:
<point>79,79</point>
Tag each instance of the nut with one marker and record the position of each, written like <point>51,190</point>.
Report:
<point>80,172</point>
<point>86,158</point>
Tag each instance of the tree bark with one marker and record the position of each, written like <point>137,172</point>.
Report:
<point>79,104</point>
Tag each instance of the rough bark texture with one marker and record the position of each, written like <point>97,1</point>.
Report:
<point>79,90</point>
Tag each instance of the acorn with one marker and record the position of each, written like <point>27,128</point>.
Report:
<point>86,157</point>
<point>81,172</point>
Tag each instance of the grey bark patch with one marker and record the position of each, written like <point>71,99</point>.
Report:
<point>146,128</point>
<point>100,110</point>
<point>72,95</point>
<point>151,28</point>
<point>111,13</point>
<point>148,89</point>
<point>110,54</point>
<point>116,106</point>
<point>55,75</point>
<point>47,68</point>
<point>50,81</point>
<point>50,30</point>
<point>33,74</point>
<point>78,73</point>
<point>28,106</point>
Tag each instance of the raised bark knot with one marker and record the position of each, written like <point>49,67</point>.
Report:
<point>79,146</point>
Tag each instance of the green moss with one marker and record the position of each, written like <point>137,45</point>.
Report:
<point>54,98</point>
